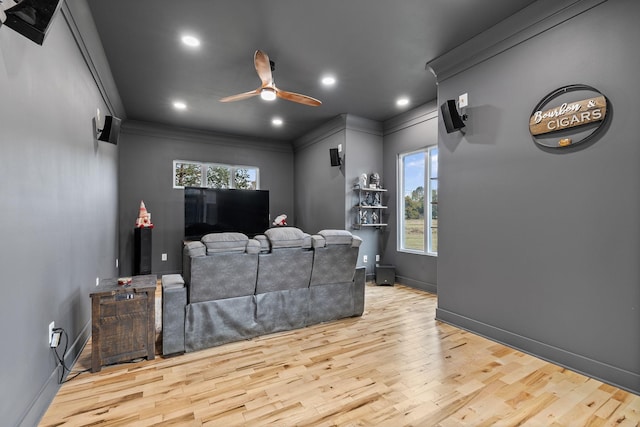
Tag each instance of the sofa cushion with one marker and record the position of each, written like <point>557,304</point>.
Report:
<point>170,281</point>
<point>225,242</point>
<point>265,246</point>
<point>195,249</point>
<point>318,241</point>
<point>288,237</point>
<point>253,246</point>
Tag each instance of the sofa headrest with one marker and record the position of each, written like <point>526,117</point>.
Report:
<point>288,237</point>
<point>225,242</point>
<point>335,237</point>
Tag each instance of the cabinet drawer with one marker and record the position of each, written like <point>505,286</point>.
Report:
<point>123,304</point>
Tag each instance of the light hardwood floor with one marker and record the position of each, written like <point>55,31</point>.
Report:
<point>394,366</point>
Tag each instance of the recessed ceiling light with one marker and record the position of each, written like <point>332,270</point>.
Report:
<point>277,121</point>
<point>179,105</point>
<point>328,80</point>
<point>190,41</point>
<point>401,102</point>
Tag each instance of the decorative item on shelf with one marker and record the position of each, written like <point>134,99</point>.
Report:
<point>363,217</point>
<point>144,217</point>
<point>368,199</point>
<point>280,221</point>
<point>374,217</point>
<point>363,180</point>
<point>376,199</point>
<point>374,180</point>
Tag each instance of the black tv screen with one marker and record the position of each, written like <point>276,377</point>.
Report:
<point>209,210</point>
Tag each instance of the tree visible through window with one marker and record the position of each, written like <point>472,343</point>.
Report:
<point>218,177</point>
<point>418,201</point>
<point>187,174</point>
<point>195,174</point>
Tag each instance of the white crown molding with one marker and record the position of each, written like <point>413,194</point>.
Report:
<point>135,127</point>
<point>333,126</point>
<point>339,123</point>
<point>535,19</point>
<point>360,124</point>
<point>80,22</point>
<point>411,118</point>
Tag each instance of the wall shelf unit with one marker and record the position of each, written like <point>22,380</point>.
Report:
<point>369,208</point>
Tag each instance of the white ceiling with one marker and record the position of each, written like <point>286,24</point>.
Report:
<point>377,50</point>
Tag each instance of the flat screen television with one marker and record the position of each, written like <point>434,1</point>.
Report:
<point>211,210</point>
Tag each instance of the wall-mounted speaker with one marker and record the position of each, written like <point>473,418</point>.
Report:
<point>451,117</point>
<point>335,157</point>
<point>31,18</point>
<point>111,130</point>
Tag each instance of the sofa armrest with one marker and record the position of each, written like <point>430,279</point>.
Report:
<point>174,302</point>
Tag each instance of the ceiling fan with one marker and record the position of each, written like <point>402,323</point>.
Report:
<point>268,89</point>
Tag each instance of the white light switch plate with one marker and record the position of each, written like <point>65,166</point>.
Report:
<point>463,100</point>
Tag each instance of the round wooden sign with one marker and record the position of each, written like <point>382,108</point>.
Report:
<point>573,118</point>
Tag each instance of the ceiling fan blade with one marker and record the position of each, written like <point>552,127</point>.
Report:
<point>263,68</point>
<point>296,97</point>
<point>241,96</point>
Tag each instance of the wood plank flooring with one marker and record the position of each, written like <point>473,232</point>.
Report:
<point>394,366</point>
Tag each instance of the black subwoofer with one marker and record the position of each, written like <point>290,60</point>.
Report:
<point>385,275</point>
<point>142,250</point>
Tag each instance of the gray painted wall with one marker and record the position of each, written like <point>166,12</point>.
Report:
<point>407,132</point>
<point>364,155</point>
<point>324,196</point>
<point>146,155</point>
<point>58,221</point>
<point>319,188</point>
<point>540,249</point>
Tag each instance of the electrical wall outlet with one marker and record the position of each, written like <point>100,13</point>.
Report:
<point>97,281</point>
<point>52,326</point>
<point>55,339</point>
<point>364,259</point>
<point>377,258</point>
<point>164,257</point>
<point>116,262</point>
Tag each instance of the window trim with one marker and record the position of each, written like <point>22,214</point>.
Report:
<point>203,173</point>
<point>428,202</point>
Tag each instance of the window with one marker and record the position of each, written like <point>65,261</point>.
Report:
<point>211,175</point>
<point>417,208</point>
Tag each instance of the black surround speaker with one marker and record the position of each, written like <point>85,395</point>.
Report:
<point>111,130</point>
<point>452,120</point>
<point>31,18</point>
<point>142,250</point>
<point>335,157</point>
<point>385,275</point>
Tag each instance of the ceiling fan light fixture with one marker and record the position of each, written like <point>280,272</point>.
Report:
<point>268,94</point>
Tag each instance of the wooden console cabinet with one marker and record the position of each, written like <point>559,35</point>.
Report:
<point>123,321</point>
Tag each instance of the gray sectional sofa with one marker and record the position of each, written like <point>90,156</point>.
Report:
<point>234,288</point>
